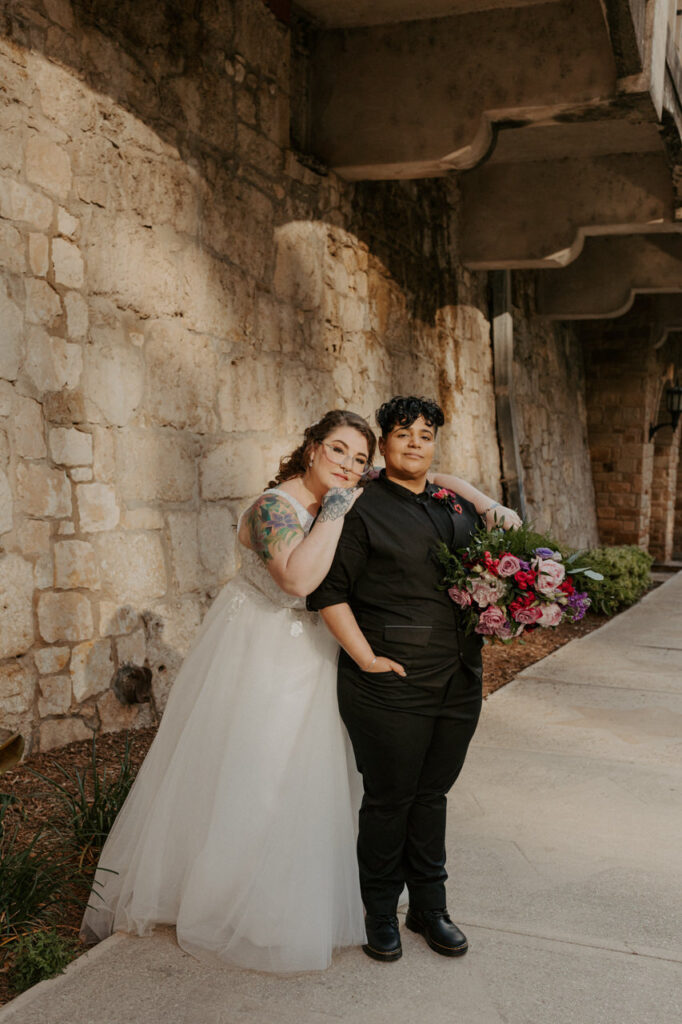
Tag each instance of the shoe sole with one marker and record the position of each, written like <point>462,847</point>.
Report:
<point>376,954</point>
<point>435,946</point>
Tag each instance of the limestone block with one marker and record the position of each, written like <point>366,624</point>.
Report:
<point>306,396</point>
<point>66,407</point>
<point>181,378</point>
<point>66,224</point>
<point>138,265</point>
<point>75,565</point>
<point>11,249</point>
<point>57,732</point>
<point>17,202</point>
<point>91,669</point>
<point>64,99</point>
<point>51,659</point>
<point>218,542</point>
<point>170,643</point>
<point>234,469</point>
<point>114,619</point>
<point>12,329</point>
<point>104,458</point>
<point>76,315</point>
<point>52,363</point>
<point>143,519</point>
<point>70,447</point>
<point>184,547</point>
<point>6,504</point>
<point>132,566</point>
<point>17,691</point>
<point>55,696</point>
<point>38,253</point>
<point>64,616</point>
<point>67,261</point>
<point>34,536</point>
<point>65,529</point>
<point>132,649</point>
<point>81,474</point>
<point>29,442</point>
<point>43,492</point>
<point>97,507</point>
<point>113,378</point>
<point>300,254</point>
<point>43,305</point>
<point>6,398</point>
<point>343,381</point>
<point>153,466</point>
<point>43,572</point>
<point>16,606</point>
<point>249,395</point>
<point>116,717</point>
<point>48,165</point>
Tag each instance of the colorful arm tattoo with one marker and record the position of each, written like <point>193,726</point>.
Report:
<point>272,524</point>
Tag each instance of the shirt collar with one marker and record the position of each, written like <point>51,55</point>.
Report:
<point>405,492</point>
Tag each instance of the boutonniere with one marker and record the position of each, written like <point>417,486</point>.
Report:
<point>447,498</point>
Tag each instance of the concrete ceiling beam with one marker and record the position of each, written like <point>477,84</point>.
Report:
<point>420,98</point>
<point>538,213</point>
<point>610,272</point>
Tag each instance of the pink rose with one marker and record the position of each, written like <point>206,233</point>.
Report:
<point>527,615</point>
<point>550,575</point>
<point>508,565</point>
<point>460,597</point>
<point>505,631</point>
<point>552,615</point>
<point>487,590</point>
<point>490,621</point>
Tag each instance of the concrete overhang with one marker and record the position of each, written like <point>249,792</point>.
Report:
<point>538,213</point>
<point>604,282</point>
<point>421,98</point>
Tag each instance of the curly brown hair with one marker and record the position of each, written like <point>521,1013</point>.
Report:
<point>296,463</point>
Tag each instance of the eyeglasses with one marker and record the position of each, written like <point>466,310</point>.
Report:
<point>340,457</point>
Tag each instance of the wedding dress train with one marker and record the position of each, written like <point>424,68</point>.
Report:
<point>240,827</point>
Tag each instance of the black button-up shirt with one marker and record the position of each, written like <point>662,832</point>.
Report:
<point>386,570</point>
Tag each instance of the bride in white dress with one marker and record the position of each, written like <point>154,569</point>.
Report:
<point>240,827</point>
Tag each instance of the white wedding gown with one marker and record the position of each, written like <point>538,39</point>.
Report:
<point>240,827</point>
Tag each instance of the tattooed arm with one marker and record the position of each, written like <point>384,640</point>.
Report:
<point>297,563</point>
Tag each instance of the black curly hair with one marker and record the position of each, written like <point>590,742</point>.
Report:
<point>403,411</point>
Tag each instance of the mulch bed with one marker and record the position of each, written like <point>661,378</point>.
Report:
<point>40,805</point>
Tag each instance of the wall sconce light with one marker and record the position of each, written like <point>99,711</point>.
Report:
<point>673,403</point>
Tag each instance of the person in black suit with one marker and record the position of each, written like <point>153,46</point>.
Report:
<point>409,679</point>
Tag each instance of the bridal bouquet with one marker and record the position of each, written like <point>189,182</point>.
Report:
<point>508,583</point>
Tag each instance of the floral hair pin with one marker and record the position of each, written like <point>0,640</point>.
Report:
<point>447,498</point>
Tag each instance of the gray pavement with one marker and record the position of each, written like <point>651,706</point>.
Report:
<point>565,859</point>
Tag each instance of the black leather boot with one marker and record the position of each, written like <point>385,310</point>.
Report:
<point>383,938</point>
<point>442,935</point>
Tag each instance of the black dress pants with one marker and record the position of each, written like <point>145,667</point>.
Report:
<point>410,743</point>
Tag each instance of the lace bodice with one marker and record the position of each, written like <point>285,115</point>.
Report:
<point>255,572</point>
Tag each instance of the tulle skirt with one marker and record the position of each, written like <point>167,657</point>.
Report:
<point>240,827</point>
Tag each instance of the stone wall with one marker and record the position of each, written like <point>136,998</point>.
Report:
<point>179,296</point>
<point>549,388</point>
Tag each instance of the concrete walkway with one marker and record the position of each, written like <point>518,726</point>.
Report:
<point>565,859</point>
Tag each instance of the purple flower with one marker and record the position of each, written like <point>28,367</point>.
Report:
<point>525,566</point>
<point>579,603</point>
<point>544,552</point>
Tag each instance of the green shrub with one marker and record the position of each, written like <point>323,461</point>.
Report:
<point>626,572</point>
<point>38,956</point>
<point>90,801</point>
<point>32,883</point>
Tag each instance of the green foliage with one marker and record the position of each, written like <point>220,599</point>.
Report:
<point>90,802</point>
<point>626,572</point>
<point>38,956</point>
<point>31,882</point>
